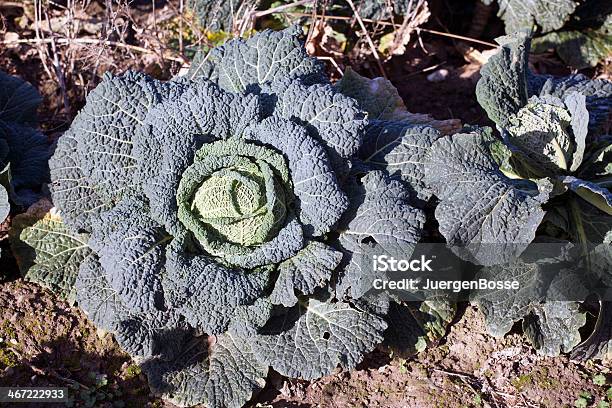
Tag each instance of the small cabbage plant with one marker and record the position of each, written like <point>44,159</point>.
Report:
<point>545,179</point>
<point>24,151</point>
<point>221,210</point>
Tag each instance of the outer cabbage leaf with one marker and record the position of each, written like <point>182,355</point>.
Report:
<point>114,111</point>
<point>215,15</point>
<point>330,117</point>
<point>304,273</point>
<point>23,148</point>
<point>71,190</point>
<point>551,325</point>
<point>380,221</point>
<point>102,138</point>
<point>549,15</point>
<point>484,215</point>
<point>28,153</point>
<point>206,292</point>
<point>311,339</point>
<point>19,100</point>
<point>47,253</point>
<point>381,100</point>
<point>578,48</point>
<point>502,89</point>
<point>582,220</point>
<point>130,247</point>
<point>222,374</point>
<point>400,148</point>
<point>242,65</point>
<point>599,343</point>
<point>142,335</point>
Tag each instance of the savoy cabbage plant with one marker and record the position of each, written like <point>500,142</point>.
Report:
<point>220,220</point>
<point>549,170</point>
<point>546,178</point>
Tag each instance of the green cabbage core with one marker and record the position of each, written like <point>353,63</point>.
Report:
<point>234,201</point>
<point>234,195</point>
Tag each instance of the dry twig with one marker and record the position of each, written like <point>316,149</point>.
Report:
<point>84,41</point>
<point>387,23</point>
<point>368,38</point>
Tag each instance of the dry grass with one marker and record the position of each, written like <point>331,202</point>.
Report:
<point>68,45</point>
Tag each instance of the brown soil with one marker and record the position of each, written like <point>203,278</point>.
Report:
<point>46,343</point>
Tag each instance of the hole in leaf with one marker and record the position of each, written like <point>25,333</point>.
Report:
<point>326,335</point>
<point>368,240</point>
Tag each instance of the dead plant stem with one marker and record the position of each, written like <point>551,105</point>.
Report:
<point>368,38</point>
